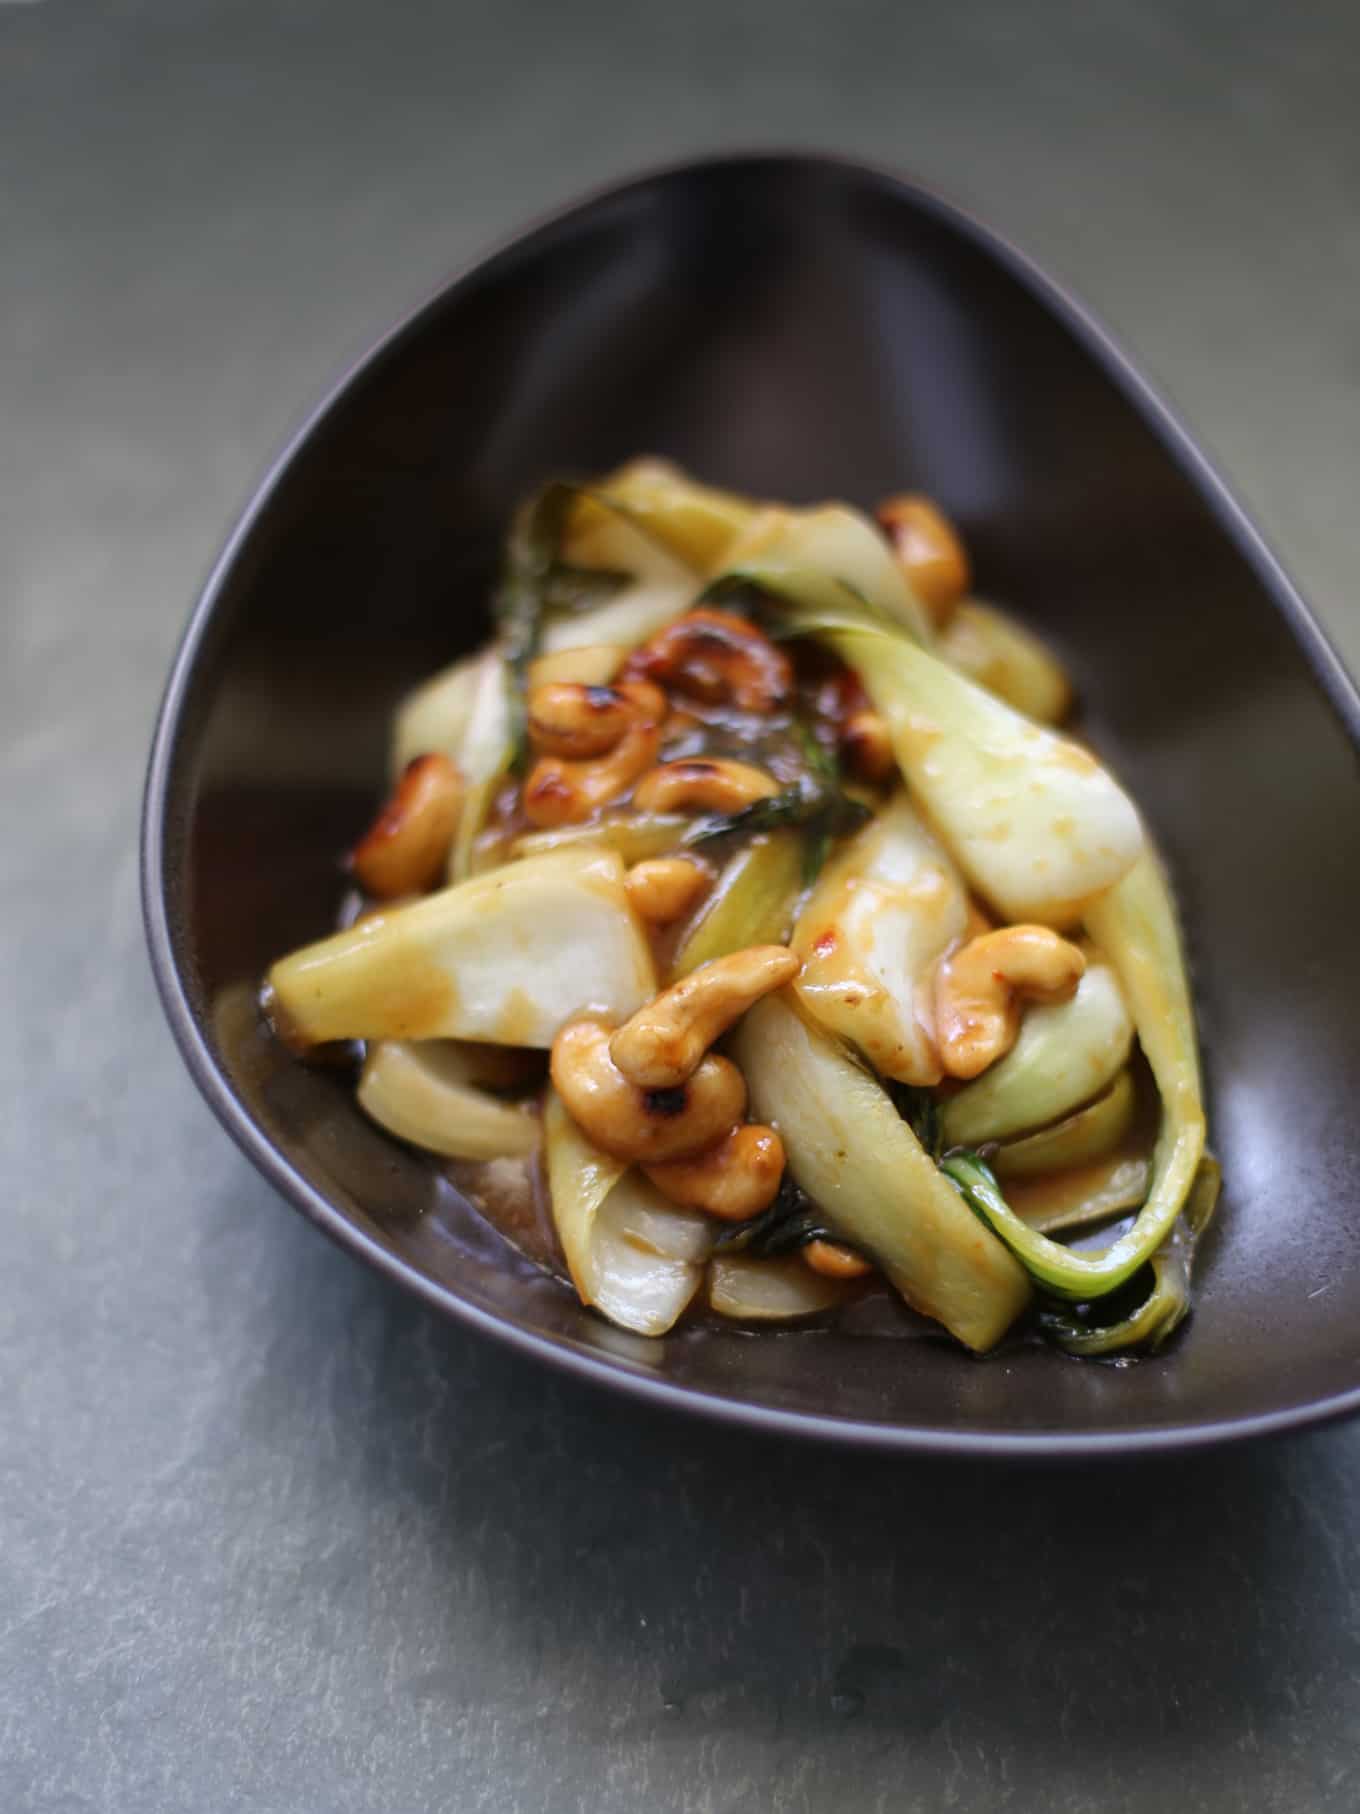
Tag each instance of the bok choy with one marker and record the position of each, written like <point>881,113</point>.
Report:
<point>854,975</point>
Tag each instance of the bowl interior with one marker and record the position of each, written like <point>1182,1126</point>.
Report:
<point>800,329</point>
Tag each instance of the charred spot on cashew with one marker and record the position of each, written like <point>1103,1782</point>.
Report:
<point>867,747</point>
<point>406,847</point>
<point>664,1042</point>
<point>735,1178</point>
<point>715,658</point>
<point>979,989</point>
<point>638,1124</point>
<point>563,790</point>
<point>928,550</point>
<point>833,1261</point>
<point>660,889</point>
<point>702,784</point>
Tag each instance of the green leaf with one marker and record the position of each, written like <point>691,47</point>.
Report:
<point>790,1222</point>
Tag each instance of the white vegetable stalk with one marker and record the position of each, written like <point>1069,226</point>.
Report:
<point>1066,1053</point>
<point>423,1092</point>
<point>769,1291</point>
<point>1035,822</point>
<point>483,757</point>
<point>861,1164</point>
<point>632,1255</point>
<point>434,718</point>
<point>877,923</point>
<point>992,648</point>
<point>661,588</point>
<point>509,956</point>
<point>695,522</point>
<point>792,550</point>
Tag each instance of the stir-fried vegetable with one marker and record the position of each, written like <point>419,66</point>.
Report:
<point>853,1154</point>
<point>631,1254</point>
<point>752,903</point>
<point>825,559</point>
<point>1089,1134</point>
<point>990,647</point>
<point>1067,1052</point>
<point>870,937</point>
<point>508,956</point>
<point>696,523</point>
<point>769,1291</point>
<point>1034,821</point>
<point>425,1092</point>
<point>1136,925</point>
<point>707,726</point>
<point>1083,1196</point>
<point>434,718</point>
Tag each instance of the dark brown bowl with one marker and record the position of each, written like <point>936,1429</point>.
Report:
<point>798,327</point>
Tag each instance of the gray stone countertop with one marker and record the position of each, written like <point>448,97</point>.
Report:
<point>273,1537</point>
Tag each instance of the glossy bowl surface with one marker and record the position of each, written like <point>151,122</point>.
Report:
<point>798,327</point>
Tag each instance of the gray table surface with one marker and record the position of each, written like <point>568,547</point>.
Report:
<point>273,1538</point>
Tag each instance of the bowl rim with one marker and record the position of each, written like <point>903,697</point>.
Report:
<point>1333,680</point>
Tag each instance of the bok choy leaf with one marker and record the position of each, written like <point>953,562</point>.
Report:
<point>1033,820</point>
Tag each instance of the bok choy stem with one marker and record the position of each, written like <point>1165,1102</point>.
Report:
<point>1135,925</point>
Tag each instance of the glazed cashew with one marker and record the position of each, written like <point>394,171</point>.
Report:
<point>664,1042</point>
<point>834,1261</point>
<point>867,747</point>
<point>717,658</point>
<point>638,1124</point>
<point>703,784</point>
<point>929,552</point>
<point>567,718</point>
<point>660,889</point>
<point>407,845</point>
<point>735,1178</point>
<point>978,992</point>
<point>561,790</point>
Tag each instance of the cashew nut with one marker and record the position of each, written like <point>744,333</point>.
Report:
<point>660,889</point>
<point>664,1042</point>
<point>867,747</point>
<point>703,784</point>
<point>633,1123</point>
<point>929,552</point>
<point>834,1261</point>
<point>561,790</point>
<point>978,991</point>
<point>568,718</point>
<point>407,845</point>
<point>735,1178</point>
<point>717,658</point>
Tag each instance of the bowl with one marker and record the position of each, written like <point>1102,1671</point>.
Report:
<point>799,327</point>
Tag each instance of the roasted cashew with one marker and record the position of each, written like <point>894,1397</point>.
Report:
<point>703,784</point>
<point>562,791</point>
<point>735,1178</point>
<point>660,889</point>
<point>834,1261</point>
<point>664,1042</point>
<point>929,552</point>
<point>978,991</point>
<point>638,1124</point>
<point>407,845</point>
<point>867,747</point>
<point>717,658</point>
<point>567,718</point>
